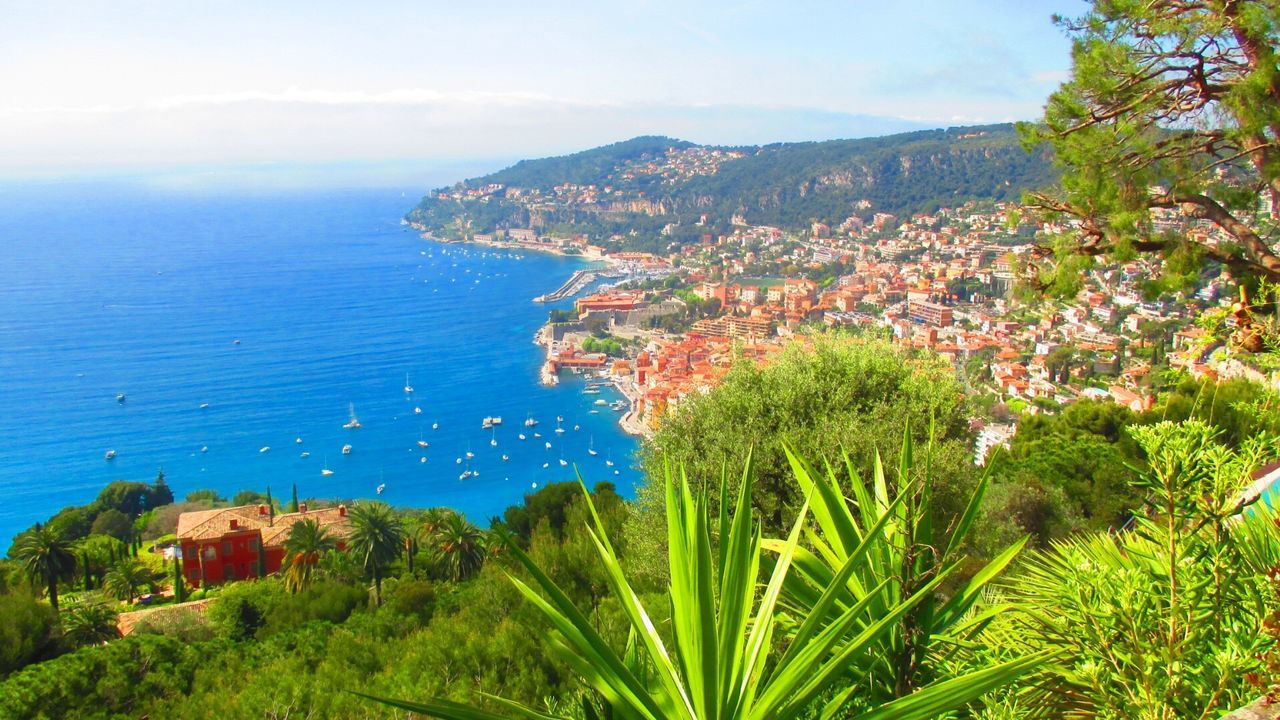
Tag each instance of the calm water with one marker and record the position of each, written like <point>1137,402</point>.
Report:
<point>108,289</point>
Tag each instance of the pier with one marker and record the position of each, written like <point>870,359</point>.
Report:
<point>574,285</point>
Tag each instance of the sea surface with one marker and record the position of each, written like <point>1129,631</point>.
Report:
<point>281,311</point>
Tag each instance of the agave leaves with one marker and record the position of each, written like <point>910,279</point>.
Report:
<point>719,660</point>
<point>879,554</point>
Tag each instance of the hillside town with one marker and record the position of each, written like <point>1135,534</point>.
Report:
<point>666,327</point>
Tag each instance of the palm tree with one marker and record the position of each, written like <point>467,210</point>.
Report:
<point>721,659</point>
<point>45,558</point>
<point>123,580</point>
<point>307,543</point>
<point>84,625</point>
<point>458,547</point>
<point>377,537</point>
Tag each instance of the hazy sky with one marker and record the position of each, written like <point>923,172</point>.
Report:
<point>124,84</point>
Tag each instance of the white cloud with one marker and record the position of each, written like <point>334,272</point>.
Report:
<point>404,97</point>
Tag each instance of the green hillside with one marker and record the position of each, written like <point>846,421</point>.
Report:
<point>788,185</point>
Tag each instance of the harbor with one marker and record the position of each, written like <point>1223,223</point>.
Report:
<point>576,283</point>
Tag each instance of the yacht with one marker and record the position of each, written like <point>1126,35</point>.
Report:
<point>305,454</point>
<point>264,448</point>
<point>346,449</point>
<point>601,401</point>
<point>110,455</point>
<point>548,446</point>
<point>559,430</point>
<point>354,422</point>
<point>530,422</point>
<point>521,436</point>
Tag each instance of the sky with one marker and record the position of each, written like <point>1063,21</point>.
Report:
<point>379,86</point>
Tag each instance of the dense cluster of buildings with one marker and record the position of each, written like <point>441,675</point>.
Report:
<point>941,281</point>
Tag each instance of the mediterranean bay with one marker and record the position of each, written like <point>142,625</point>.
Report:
<point>243,328</point>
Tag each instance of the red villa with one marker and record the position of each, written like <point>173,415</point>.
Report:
<point>223,544</point>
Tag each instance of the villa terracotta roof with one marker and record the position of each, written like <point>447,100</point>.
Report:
<point>213,524</point>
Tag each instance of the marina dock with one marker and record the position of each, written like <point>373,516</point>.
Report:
<point>574,285</point>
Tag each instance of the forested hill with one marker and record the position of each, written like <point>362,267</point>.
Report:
<point>648,183</point>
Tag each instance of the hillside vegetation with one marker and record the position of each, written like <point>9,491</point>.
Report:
<point>648,183</point>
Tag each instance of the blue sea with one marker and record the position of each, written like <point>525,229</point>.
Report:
<point>280,311</point>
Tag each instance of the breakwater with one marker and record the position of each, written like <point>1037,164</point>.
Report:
<point>579,280</point>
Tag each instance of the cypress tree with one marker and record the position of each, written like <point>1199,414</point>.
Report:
<point>179,587</point>
<point>293,504</point>
<point>88,578</point>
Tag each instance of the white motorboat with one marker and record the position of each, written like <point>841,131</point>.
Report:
<point>346,449</point>
<point>354,422</point>
<point>305,454</point>
<point>521,436</point>
<point>548,446</point>
<point>264,448</point>
<point>110,455</point>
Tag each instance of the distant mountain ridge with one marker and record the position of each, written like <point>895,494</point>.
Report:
<point>649,183</point>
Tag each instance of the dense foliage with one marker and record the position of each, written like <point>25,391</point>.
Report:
<point>1172,106</point>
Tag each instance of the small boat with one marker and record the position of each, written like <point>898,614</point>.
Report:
<point>381,487</point>
<point>305,454</point>
<point>465,475</point>
<point>422,443</point>
<point>435,426</point>
<point>559,430</point>
<point>548,446</point>
<point>354,422</point>
<point>530,422</point>
<point>204,448</point>
<point>601,401</point>
<point>204,406</point>
<point>563,462</point>
<point>546,465</point>
<point>119,397</point>
<point>615,472</point>
<point>408,389</point>
<point>559,418</point>
<point>417,411</point>
<point>297,441</point>
<point>591,391</point>
<point>110,455</point>
<point>326,471</point>
<point>493,442</point>
<point>537,435</point>
<point>470,455</point>
<point>264,448</point>
<point>422,459</point>
<point>346,449</point>
<point>505,458</point>
<point>521,436</point>
<point>576,428</point>
<point>593,412</point>
<point>591,447</point>
<point>457,461</point>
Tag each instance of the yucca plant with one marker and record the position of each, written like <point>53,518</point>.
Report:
<point>720,659</point>
<point>897,554</point>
